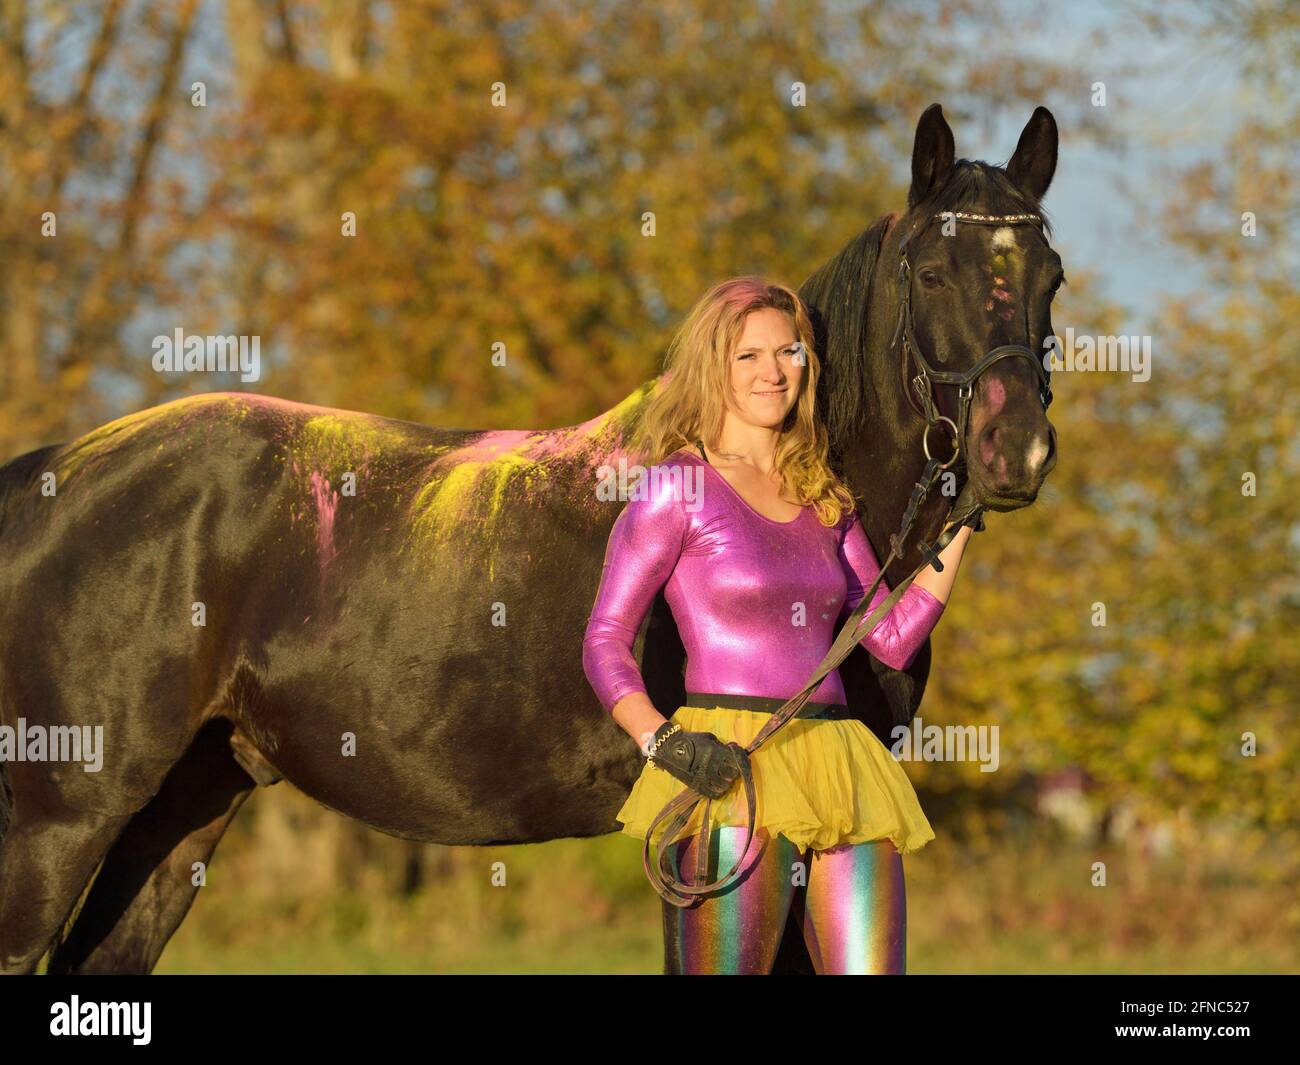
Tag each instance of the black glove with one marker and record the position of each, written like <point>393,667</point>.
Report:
<point>965,510</point>
<point>700,760</point>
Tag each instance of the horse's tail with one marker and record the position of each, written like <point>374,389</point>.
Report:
<point>15,479</point>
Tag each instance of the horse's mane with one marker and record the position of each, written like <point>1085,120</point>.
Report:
<point>836,295</point>
<point>979,185</point>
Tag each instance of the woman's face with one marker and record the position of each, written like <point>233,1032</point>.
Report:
<point>766,369</point>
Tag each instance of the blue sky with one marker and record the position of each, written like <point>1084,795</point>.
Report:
<point>1170,103</point>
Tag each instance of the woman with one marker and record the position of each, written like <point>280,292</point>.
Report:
<point>762,557</point>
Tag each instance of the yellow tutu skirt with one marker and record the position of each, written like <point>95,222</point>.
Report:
<point>819,783</point>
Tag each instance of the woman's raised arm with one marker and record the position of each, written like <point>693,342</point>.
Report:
<point>898,636</point>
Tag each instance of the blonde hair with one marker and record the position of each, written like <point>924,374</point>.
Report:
<point>689,400</point>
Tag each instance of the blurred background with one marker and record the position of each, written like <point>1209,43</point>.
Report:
<point>198,157</point>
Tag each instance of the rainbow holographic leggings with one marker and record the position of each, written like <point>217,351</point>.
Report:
<point>848,900</point>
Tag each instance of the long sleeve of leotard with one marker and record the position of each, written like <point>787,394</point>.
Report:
<point>644,546</point>
<point>898,636</point>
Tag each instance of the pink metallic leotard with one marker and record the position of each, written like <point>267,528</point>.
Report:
<point>757,601</point>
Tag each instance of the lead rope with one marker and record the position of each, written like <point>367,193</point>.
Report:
<point>678,811</point>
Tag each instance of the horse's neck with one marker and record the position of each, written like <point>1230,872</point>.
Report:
<point>884,458</point>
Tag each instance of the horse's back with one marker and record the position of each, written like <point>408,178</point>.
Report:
<point>140,550</point>
<point>313,574</point>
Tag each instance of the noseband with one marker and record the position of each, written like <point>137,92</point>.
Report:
<point>922,384</point>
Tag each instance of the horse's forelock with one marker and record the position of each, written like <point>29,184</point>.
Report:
<point>975,185</point>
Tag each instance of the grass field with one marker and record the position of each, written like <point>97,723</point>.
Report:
<point>583,906</point>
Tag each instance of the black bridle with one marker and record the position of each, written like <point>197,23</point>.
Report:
<point>922,385</point>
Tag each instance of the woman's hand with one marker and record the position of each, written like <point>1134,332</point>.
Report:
<point>967,516</point>
<point>699,760</point>
<point>966,510</point>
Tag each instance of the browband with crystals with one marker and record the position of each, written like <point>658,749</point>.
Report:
<point>1007,219</point>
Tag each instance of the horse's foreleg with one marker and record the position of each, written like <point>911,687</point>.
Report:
<point>46,859</point>
<point>148,881</point>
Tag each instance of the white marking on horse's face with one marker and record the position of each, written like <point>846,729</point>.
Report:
<point>1004,238</point>
<point>1037,454</point>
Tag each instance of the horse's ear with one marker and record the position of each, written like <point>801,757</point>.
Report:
<point>1034,163</point>
<point>932,154</point>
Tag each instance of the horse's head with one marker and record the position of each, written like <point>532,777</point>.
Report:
<point>976,278</point>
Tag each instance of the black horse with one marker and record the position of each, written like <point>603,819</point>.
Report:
<point>240,589</point>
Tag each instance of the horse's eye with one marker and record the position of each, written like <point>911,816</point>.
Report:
<point>930,279</point>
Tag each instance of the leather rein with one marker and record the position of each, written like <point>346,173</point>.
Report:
<point>678,811</point>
